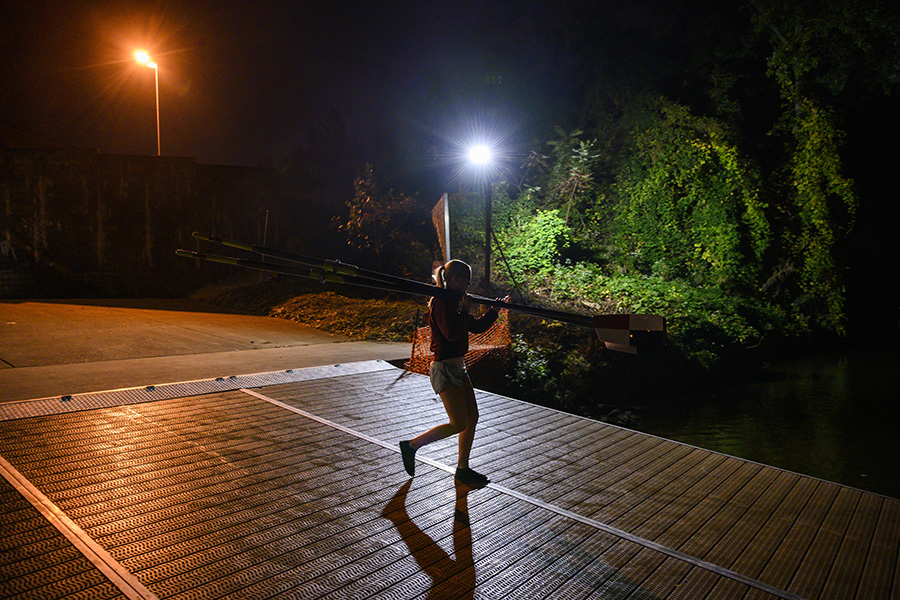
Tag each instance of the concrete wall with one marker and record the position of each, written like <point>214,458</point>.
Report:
<point>76,223</point>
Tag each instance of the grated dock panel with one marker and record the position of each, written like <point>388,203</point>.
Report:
<point>37,561</point>
<point>228,494</point>
<point>151,393</point>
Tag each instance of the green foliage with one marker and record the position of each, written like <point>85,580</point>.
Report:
<point>386,230</point>
<point>824,204</point>
<point>704,322</point>
<point>815,50</point>
<point>571,179</point>
<point>688,204</point>
<point>818,47</point>
<point>532,364</point>
<point>533,239</point>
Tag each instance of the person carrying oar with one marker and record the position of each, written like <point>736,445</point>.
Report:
<point>450,324</point>
<point>619,332</point>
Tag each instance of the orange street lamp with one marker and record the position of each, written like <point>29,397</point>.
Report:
<point>144,58</point>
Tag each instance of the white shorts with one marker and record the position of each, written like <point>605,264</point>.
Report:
<point>448,372</point>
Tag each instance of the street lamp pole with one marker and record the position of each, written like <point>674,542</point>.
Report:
<point>488,201</point>
<point>143,58</point>
<point>481,157</point>
<point>156,77</point>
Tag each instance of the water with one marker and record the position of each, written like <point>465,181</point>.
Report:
<point>834,415</point>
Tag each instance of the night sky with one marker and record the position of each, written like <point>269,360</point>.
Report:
<point>240,82</point>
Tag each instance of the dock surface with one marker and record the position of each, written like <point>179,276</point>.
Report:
<point>289,484</point>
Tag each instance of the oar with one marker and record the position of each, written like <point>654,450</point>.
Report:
<point>321,275</point>
<point>391,282</point>
<point>329,266</point>
<point>617,331</point>
<point>337,272</point>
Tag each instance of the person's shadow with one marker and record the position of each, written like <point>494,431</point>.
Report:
<point>450,577</point>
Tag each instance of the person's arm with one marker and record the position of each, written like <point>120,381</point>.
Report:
<point>452,323</point>
<point>484,322</point>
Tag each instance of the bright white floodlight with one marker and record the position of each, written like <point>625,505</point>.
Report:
<point>480,155</point>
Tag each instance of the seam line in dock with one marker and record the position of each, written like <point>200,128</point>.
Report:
<point>118,575</point>
<point>712,567</point>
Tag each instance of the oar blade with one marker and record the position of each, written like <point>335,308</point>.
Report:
<point>629,332</point>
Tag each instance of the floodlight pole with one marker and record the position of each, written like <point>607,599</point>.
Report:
<point>488,193</point>
<point>446,203</point>
<point>480,156</point>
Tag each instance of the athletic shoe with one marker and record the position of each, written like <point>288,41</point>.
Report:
<point>409,458</point>
<point>471,478</point>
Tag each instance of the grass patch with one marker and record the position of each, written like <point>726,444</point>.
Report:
<point>352,312</point>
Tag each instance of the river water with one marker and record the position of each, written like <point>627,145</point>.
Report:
<point>833,415</point>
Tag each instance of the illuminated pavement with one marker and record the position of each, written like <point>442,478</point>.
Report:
<point>66,347</point>
<point>287,483</point>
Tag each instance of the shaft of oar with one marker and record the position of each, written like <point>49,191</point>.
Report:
<point>247,263</point>
<point>288,256</point>
<point>405,286</point>
<point>311,273</point>
<point>392,282</point>
<point>618,332</point>
<point>556,315</point>
<point>332,266</point>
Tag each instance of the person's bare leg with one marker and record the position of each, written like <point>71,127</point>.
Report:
<point>456,404</point>
<point>467,435</point>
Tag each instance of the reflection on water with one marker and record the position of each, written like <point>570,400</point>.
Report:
<point>834,416</point>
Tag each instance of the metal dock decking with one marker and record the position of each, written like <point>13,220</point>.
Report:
<point>290,485</point>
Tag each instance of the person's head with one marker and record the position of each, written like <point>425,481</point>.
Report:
<point>455,275</point>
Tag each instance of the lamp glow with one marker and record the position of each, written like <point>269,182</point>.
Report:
<point>143,58</point>
<point>480,155</point>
